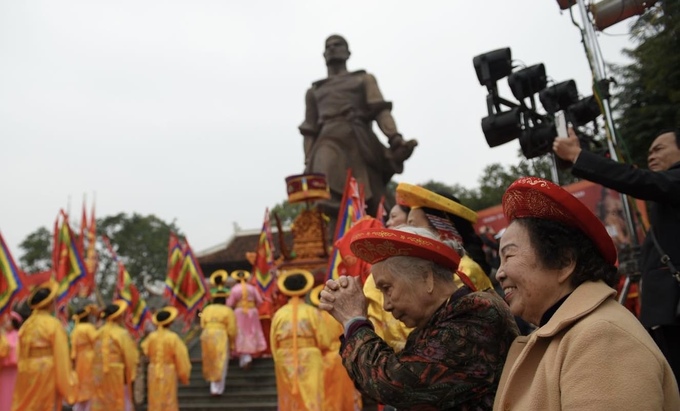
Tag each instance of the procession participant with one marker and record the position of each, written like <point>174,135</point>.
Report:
<point>8,359</point>
<point>339,391</point>
<point>45,377</point>
<point>115,361</point>
<point>297,345</point>
<point>168,362</point>
<point>82,353</point>
<point>219,333</point>
<point>453,358</point>
<point>245,299</point>
<point>589,352</point>
<point>450,219</point>
<point>219,283</point>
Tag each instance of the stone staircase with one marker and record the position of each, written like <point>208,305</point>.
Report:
<point>245,390</point>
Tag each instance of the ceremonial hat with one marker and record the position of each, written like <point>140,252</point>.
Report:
<point>165,316</point>
<point>218,274</point>
<point>114,310</point>
<point>377,244</point>
<point>240,275</point>
<point>314,297</point>
<point>83,312</point>
<point>295,283</point>
<point>418,197</point>
<point>43,295</point>
<point>543,199</point>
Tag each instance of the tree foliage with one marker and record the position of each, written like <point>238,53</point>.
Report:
<point>648,92</point>
<point>37,251</point>
<point>141,243</point>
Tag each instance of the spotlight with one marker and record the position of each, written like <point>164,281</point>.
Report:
<point>528,81</point>
<point>537,140</point>
<point>502,127</point>
<point>565,4</point>
<point>559,97</point>
<point>584,111</point>
<point>609,12</point>
<point>493,66</point>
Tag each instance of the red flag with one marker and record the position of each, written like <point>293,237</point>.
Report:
<point>70,268</point>
<point>381,212</point>
<point>190,291</point>
<point>175,257</point>
<point>11,278</point>
<point>91,258</point>
<point>264,268</point>
<point>352,209</point>
<point>353,265</point>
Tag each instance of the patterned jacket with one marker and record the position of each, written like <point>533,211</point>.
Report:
<point>452,363</point>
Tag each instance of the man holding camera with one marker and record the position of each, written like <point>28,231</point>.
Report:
<point>660,186</point>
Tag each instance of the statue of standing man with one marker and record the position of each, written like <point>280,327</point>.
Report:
<point>338,135</point>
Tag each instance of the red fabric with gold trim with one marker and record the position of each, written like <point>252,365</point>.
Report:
<point>377,244</point>
<point>539,198</point>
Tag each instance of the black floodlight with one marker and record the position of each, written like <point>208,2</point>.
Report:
<point>493,66</point>
<point>559,97</point>
<point>565,4</point>
<point>609,12</point>
<point>584,111</point>
<point>527,82</point>
<point>502,127</point>
<point>537,140</point>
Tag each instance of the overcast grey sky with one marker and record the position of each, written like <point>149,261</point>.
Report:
<point>189,109</point>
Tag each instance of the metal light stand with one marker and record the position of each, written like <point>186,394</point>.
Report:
<point>629,267</point>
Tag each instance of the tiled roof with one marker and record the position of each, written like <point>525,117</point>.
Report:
<point>234,251</point>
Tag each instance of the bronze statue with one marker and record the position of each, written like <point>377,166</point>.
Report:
<point>337,131</point>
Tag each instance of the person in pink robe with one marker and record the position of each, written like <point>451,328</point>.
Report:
<point>245,299</point>
<point>8,362</point>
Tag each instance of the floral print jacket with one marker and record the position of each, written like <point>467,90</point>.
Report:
<point>452,363</point>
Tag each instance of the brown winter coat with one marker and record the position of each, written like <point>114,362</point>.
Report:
<point>593,354</point>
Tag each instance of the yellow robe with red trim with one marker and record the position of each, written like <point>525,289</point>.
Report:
<point>114,367</point>
<point>168,362</point>
<point>393,331</point>
<point>44,376</point>
<point>219,331</point>
<point>339,391</point>
<point>299,373</point>
<point>82,353</point>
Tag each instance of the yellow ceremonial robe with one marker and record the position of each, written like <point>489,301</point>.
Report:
<point>44,376</point>
<point>82,353</point>
<point>115,366</point>
<point>219,331</point>
<point>168,362</point>
<point>393,331</point>
<point>475,273</point>
<point>339,391</point>
<point>297,345</point>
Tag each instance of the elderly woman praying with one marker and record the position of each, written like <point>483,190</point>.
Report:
<point>453,358</point>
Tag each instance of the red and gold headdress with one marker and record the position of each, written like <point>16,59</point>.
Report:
<point>539,198</point>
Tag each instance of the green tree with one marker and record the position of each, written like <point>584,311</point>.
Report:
<point>141,243</point>
<point>37,251</point>
<point>648,92</point>
<point>286,212</point>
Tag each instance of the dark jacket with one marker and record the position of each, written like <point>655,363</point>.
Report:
<point>453,363</point>
<point>660,291</point>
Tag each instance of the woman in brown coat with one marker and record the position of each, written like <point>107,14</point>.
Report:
<point>589,352</point>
